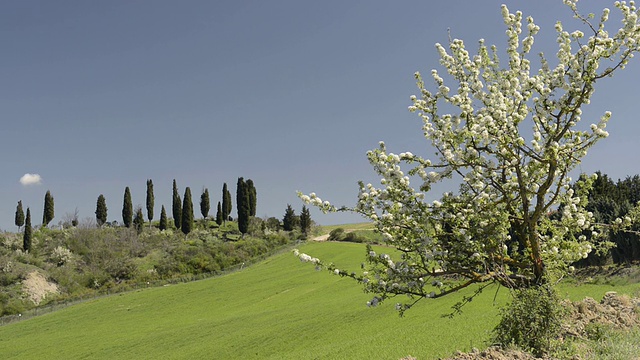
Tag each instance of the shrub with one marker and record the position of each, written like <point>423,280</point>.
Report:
<point>336,234</point>
<point>531,321</point>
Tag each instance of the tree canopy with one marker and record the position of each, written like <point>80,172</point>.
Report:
<point>511,140</point>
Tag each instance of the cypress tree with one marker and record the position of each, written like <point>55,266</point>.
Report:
<point>163,219</point>
<point>205,205</point>
<point>127,208</point>
<point>219,214</point>
<point>26,237</point>
<point>226,203</point>
<point>19,220</point>
<point>138,220</point>
<point>48,213</point>
<point>101,210</point>
<point>150,201</point>
<point>289,220</point>
<point>177,206</point>
<point>242,202</point>
<point>187,212</point>
<point>253,197</point>
<point>305,220</point>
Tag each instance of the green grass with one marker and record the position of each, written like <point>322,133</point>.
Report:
<point>278,309</point>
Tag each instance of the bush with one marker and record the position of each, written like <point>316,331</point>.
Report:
<point>531,321</point>
<point>336,234</point>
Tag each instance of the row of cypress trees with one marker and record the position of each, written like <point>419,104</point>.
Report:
<point>246,199</point>
<point>182,209</point>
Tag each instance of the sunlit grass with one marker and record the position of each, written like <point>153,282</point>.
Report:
<point>278,309</point>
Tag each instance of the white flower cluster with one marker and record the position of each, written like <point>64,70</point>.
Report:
<point>306,258</point>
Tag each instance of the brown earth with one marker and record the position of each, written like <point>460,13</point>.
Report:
<point>36,287</point>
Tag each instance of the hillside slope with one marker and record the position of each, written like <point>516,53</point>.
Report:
<point>278,309</point>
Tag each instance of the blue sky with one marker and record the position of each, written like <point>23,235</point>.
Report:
<point>97,96</point>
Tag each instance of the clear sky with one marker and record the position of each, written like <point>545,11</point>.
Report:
<point>99,95</point>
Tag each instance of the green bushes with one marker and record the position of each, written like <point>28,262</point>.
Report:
<point>358,236</point>
<point>532,321</point>
<point>87,261</point>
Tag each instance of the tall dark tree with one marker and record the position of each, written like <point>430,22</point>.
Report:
<point>163,219</point>
<point>226,203</point>
<point>242,202</point>
<point>219,214</point>
<point>205,204</point>
<point>48,213</point>
<point>253,197</point>
<point>150,201</point>
<point>305,220</point>
<point>187,212</point>
<point>138,219</point>
<point>101,210</point>
<point>26,237</point>
<point>289,219</point>
<point>127,208</point>
<point>19,219</point>
<point>177,206</point>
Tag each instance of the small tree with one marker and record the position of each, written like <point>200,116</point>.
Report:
<point>204,203</point>
<point>163,219</point>
<point>19,218</point>
<point>26,237</point>
<point>101,210</point>
<point>138,220</point>
<point>187,212</point>
<point>253,197</point>
<point>177,206</point>
<point>127,208</point>
<point>226,203</point>
<point>305,220</point>
<point>219,215</point>
<point>289,219</point>
<point>48,213</point>
<point>150,201</point>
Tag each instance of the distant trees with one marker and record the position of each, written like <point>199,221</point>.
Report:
<point>289,221</point>
<point>127,208</point>
<point>205,204</point>
<point>26,237</point>
<point>19,218</point>
<point>305,220</point>
<point>150,201</point>
<point>219,214</point>
<point>242,202</point>
<point>187,212</point>
<point>226,203</point>
<point>253,197</point>
<point>608,201</point>
<point>163,219</point>
<point>48,213</point>
<point>101,210</point>
<point>177,207</point>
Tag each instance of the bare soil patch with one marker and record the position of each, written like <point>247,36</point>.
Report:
<point>36,287</point>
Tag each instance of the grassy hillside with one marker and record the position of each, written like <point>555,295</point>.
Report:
<point>278,309</point>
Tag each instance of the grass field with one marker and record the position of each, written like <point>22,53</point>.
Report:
<point>278,309</point>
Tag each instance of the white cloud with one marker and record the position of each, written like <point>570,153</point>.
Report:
<point>30,179</point>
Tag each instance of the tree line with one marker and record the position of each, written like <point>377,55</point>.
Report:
<point>182,210</point>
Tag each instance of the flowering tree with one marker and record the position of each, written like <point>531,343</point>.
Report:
<point>513,139</point>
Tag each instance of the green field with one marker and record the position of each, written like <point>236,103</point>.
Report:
<point>278,309</point>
